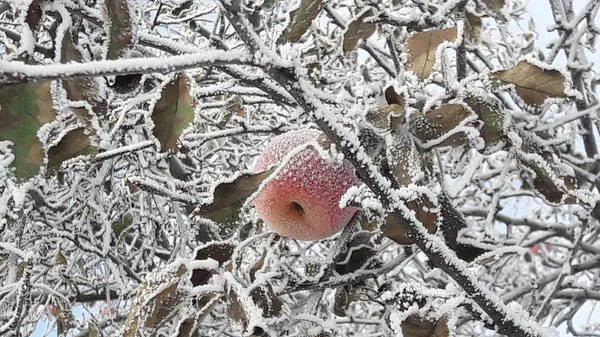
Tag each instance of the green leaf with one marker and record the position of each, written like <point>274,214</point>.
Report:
<point>23,109</point>
<point>300,20</point>
<point>73,144</point>
<point>173,112</point>
<point>357,30</point>
<point>118,13</point>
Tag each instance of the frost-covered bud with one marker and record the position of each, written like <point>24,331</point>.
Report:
<point>302,202</point>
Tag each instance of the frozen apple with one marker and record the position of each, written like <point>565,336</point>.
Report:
<point>302,201</point>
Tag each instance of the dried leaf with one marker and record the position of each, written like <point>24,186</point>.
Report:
<point>395,227</point>
<point>73,144</point>
<point>173,112</point>
<point>119,226</point>
<point>258,266</point>
<point>233,106</point>
<point>392,97</point>
<point>340,302</point>
<point>544,172</point>
<point>300,20</point>
<point>156,299</point>
<point>439,122</point>
<point>492,131</point>
<point>359,254</point>
<point>422,49</point>
<point>532,83</point>
<point>81,89</point>
<point>118,16</point>
<point>473,27</point>
<point>23,109</point>
<point>231,193</point>
<point>264,297</point>
<point>403,160</point>
<point>34,14</point>
<point>494,8</point>
<point>218,251</point>
<point>385,117</point>
<point>357,30</point>
<point>420,327</point>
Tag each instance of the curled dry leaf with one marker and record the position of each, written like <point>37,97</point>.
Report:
<point>544,171</point>
<point>23,109</point>
<point>493,119</point>
<point>81,89</point>
<point>384,117</point>
<point>300,20</point>
<point>262,296</point>
<point>532,83</point>
<point>422,48</point>
<point>472,27</point>
<point>228,197</point>
<point>395,227</point>
<point>173,112</point>
<point>359,255</point>
<point>438,123</point>
<point>73,144</point>
<point>341,302</point>
<point>404,160</point>
<point>357,30</point>
<point>156,300</point>
<point>118,13</point>
<point>233,106</point>
<point>34,14</point>
<point>493,8</point>
<point>218,251</point>
<point>415,326</point>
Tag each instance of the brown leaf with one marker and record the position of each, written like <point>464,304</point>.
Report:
<point>473,27</point>
<point>233,106</point>
<point>532,83</point>
<point>493,8</point>
<point>227,194</point>
<point>492,131</point>
<point>23,109</point>
<point>173,112</point>
<point>386,117</point>
<point>218,251</point>
<point>121,30</point>
<point>257,266</point>
<point>358,255</point>
<point>340,302</point>
<point>403,160</point>
<point>264,297</point>
<point>73,144</point>
<point>155,300</point>
<point>395,227</point>
<point>81,89</point>
<point>300,20</point>
<point>357,30</point>
<point>422,48</point>
<point>392,97</point>
<point>421,327</point>
<point>544,172</point>
<point>439,122</point>
<point>34,14</point>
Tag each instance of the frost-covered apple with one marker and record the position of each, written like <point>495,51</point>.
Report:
<point>302,201</point>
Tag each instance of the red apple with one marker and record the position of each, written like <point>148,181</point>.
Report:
<point>302,201</point>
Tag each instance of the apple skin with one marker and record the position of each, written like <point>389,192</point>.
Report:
<point>302,201</point>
